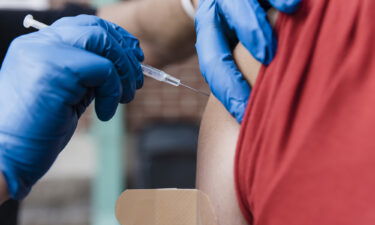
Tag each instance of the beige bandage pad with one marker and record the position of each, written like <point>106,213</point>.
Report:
<point>164,207</point>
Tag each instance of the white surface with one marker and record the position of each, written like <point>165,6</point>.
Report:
<point>25,4</point>
<point>188,7</point>
<point>62,197</point>
<point>77,160</point>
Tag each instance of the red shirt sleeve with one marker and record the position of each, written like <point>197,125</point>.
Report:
<point>306,153</point>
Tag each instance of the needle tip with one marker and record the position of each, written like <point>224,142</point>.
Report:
<point>195,90</point>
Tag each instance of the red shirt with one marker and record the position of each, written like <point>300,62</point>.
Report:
<point>306,153</point>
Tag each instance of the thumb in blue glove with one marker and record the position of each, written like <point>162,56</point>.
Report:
<point>47,80</point>
<point>220,24</point>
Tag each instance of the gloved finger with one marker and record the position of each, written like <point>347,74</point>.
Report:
<point>127,41</point>
<point>94,39</point>
<point>129,89</point>
<point>97,40</point>
<point>249,21</point>
<point>129,85</point>
<point>216,61</point>
<point>85,102</point>
<point>137,52</point>
<point>286,6</point>
<point>83,72</point>
<point>106,83</point>
<point>138,70</point>
<point>131,41</point>
<point>107,97</point>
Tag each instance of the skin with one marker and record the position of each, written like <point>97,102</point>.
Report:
<point>165,31</point>
<point>217,146</point>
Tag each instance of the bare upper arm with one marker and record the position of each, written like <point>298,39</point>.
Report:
<point>217,124</point>
<point>217,144</point>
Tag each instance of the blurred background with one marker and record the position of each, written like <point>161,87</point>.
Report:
<point>151,143</point>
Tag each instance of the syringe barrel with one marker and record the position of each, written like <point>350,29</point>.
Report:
<point>172,80</point>
<point>153,72</point>
<point>159,75</point>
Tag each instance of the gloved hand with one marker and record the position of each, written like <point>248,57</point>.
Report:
<point>47,80</point>
<point>220,24</point>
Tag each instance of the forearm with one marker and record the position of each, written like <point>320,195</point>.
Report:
<point>164,29</point>
<point>3,189</point>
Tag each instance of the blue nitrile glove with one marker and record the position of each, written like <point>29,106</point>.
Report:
<point>220,24</point>
<point>48,79</point>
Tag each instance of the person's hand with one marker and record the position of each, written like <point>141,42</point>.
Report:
<point>47,80</point>
<point>220,24</point>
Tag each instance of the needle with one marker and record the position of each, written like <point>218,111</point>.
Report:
<point>195,90</point>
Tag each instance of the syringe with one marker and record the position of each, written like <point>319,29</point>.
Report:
<point>147,70</point>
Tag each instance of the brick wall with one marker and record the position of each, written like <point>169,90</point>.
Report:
<point>157,101</point>
<point>59,3</point>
